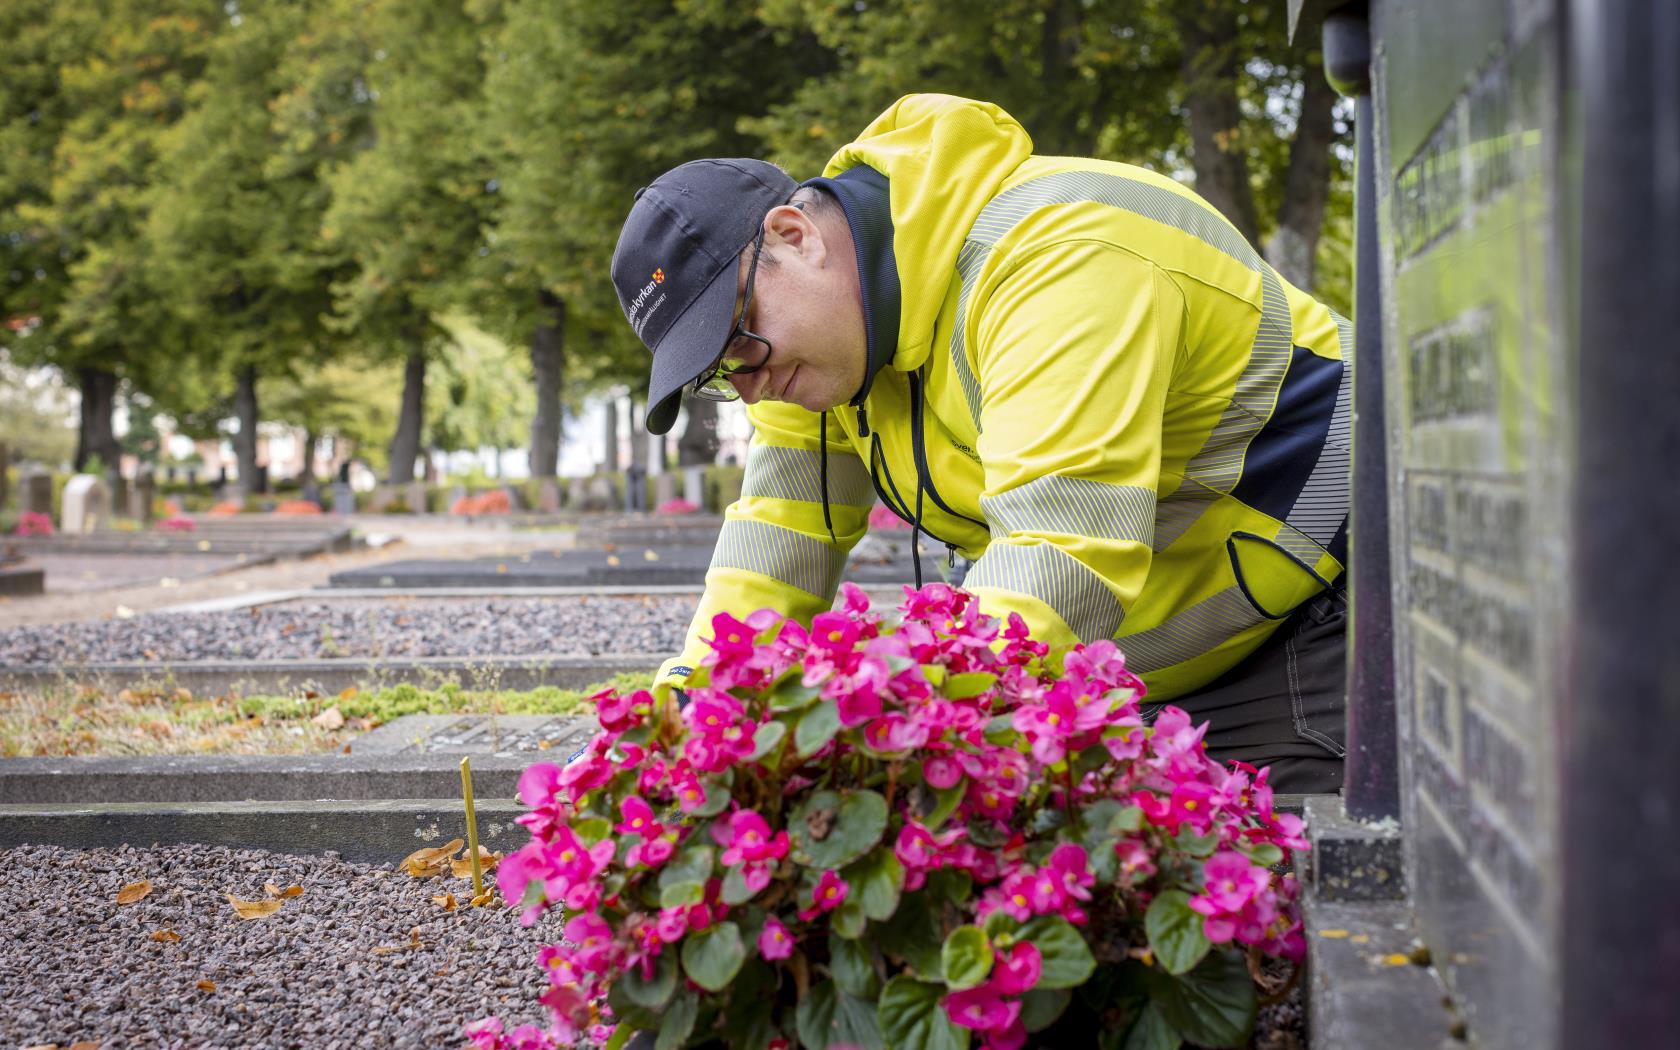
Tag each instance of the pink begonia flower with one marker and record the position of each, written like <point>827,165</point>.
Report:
<point>731,639</point>
<point>857,706</point>
<point>1017,968</point>
<point>1128,743</point>
<point>941,772</point>
<point>620,712</point>
<point>1137,861</point>
<point>893,732</point>
<point>671,924</point>
<point>556,961</point>
<point>1232,880</point>
<point>982,1009</point>
<point>1012,1037</point>
<point>593,939</point>
<point>690,795</point>
<point>774,942</point>
<point>638,818</point>
<point>833,633</point>
<point>601,1034</point>
<point>829,893</point>
<point>852,599</point>
<point>485,1034</point>
<point>651,853</point>
<point>568,1008</point>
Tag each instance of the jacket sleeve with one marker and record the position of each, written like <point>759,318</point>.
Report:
<point>1074,347</point>
<point>775,551</point>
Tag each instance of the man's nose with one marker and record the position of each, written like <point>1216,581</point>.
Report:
<point>752,385</point>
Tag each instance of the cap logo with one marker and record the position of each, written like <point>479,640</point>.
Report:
<point>659,276</point>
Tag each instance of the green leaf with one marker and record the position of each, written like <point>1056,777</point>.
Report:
<point>971,684</point>
<point>789,695</point>
<point>1067,959</point>
<point>717,800</point>
<point>817,728</point>
<point>678,1022</point>
<point>910,1016</point>
<point>591,829</point>
<point>1041,1006</point>
<point>828,1016</point>
<point>934,673</point>
<point>681,894</point>
<point>712,957</point>
<point>1151,1031</point>
<point>875,883</point>
<point>853,967</point>
<point>945,802</point>
<point>693,863</point>
<point>631,1014</point>
<point>1213,1005</point>
<point>750,1014</point>
<point>831,831</point>
<point>913,934</point>
<point>950,884</point>
<point>1194,844</point>
<point>653,993</point>
<point>767,739</point>
<point>1266,854</point>
<point>1001,730</point>
<point>735,889</point>
<point>848,920</point>
<point>1175,932</point>
<point>999,922</point>
<point>966,957</point>
<point>1128,820</point>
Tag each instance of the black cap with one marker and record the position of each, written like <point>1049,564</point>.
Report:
<point>675,265</point>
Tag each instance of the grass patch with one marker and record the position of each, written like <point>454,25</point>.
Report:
<point>74,719</point>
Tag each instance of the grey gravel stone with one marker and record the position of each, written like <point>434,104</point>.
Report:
<point>378,628</point>
<point>75,966</point>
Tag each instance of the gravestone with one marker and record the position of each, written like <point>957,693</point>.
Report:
<point>344,498</point>
<point>635,488</point>
<point>577,494</point>
<point>664,489</point>
<point>1532,592</point>
<point>140,497</point>
<point>417,501</point>
<point>5,478</point>
<point>116,489</point>
<point>694,485</point>
<point>311,490</point>
<point>87,505</point>
<point>548,495</point>
<point>602,495</point>
<point>35,496</point>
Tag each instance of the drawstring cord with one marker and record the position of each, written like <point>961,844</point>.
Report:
<point>822,472</point>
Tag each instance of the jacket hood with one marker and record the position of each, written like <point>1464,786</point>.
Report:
<point>945,157</point>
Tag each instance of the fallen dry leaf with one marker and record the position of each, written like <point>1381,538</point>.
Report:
<point>484,898</point>
<point>166,936</point>
<point>424,863</point>
<point>331,718</point>
<point>275,891</point>
<point>86,1044</point>
<point>487,861</point>
<point>348,693</point>
<point>446,902</point>
<point>413,942</point>
<point>207,986</point>
<point>253,909</point>
<point>612,559</point>
<point>650,555</point>
<point>134,891</point>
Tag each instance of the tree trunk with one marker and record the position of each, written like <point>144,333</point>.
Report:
<point>96,435</point>
<point>609,435</point>
<point>548,363</point>
<point>698,445</point>
<point>405,444</point>
<point>1212,63</point>
<point>638,437</point>
<point>311,440</point>
<point>1293,247</point>
<point>245,442</point>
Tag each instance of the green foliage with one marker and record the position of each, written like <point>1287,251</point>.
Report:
<point>395,701</point>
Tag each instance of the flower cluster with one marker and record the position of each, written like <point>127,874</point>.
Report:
<point>911,821</point>
<point>34,523</point>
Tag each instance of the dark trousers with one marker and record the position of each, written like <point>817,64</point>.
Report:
<point>1285,705</point>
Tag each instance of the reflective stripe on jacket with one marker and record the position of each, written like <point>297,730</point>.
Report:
<point>1134,427</point>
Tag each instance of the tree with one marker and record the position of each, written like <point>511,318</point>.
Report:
<point>585,103</point>
<point>409,211</point>
<point>95,88</point>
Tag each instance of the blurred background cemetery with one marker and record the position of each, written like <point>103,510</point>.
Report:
<point>351,255</point>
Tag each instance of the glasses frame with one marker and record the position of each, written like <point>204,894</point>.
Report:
<point>713,384</point>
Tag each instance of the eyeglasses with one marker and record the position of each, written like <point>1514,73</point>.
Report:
<point>744,353</point>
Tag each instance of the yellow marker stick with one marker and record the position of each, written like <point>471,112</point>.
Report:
<point>472,828</point>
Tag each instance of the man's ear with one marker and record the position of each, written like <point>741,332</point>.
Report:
<point>791,226</point>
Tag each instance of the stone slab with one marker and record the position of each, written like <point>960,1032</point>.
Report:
<point>501,735</point>
<point>1364,992</point>
<point>372,831</point>
<point>22,581</point>
<point>1352,860</point>
<point>271,677</point>
<point>393,768</point>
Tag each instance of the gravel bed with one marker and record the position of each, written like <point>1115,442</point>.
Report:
<point>74,965</point>
<point>309,630</point>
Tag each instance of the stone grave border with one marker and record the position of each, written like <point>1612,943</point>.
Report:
<point>329,676</point>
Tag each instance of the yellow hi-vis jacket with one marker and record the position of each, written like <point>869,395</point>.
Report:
<point>1130,423</point>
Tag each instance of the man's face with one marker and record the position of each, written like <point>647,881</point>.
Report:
<point>806,304</point>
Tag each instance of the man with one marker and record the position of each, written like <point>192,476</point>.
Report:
<point>1075,374</point>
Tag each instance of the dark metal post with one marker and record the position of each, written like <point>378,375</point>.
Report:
<point>1619,790</point>
<point>1371,782</point>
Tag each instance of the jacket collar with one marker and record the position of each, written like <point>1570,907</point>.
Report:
<point>863,195</point>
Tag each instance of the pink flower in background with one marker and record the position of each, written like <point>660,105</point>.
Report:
<point>941,772</point>
<point>774,942</point>
<point>1232,880</point>
<point>1017,968</point>
<point>676,506</point>
<point>829,893</point>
